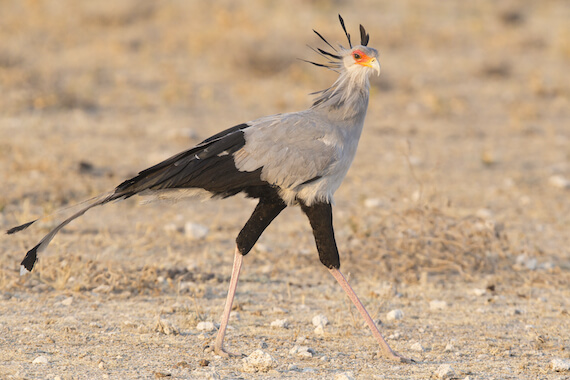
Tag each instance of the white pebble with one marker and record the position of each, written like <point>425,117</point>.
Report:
<point>395,315</point>
<point>437,305</point>
<point>68,301</point>
<point>373,202</point>
<point>258,361</point>
<point>559,182</point>
<point>205,326</point>
<point>344,376</point>
<point>449,347</point>
<point>280,323</point>
<point>195,231</point>
<point>559,364</point>
<point>445,371</point>
<point>395,336</point>
<point>320,320</point>
<point>302,351</point>
<point>479,292</point>
<point>40,360</point>
<point>417,347</point>
<point>320,330</point>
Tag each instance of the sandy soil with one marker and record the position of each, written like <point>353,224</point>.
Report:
<point>455,210</point>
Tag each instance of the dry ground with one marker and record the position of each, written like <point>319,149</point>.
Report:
<point>460,191</point>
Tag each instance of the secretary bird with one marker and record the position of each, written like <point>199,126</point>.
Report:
<point>289,159</point>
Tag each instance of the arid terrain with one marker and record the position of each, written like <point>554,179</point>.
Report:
<point>456,210</point>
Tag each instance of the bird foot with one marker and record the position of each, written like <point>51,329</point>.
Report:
<point>226,354</point>
<point>397,357</point>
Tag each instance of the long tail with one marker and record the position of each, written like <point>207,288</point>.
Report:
<point>31,257</point>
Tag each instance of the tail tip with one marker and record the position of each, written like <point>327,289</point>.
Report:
<point>23,270</point>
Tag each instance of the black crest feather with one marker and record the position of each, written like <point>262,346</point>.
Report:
<point>364,37</point>
<point>322,38</point>
<point>345,32</point>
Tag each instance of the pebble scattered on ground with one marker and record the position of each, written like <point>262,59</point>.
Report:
<point>40,360</point>
<point>560,364</point>
<point>280,323</point>
<point>205,326</point>
<point>195,231</point>
<point>258,361</point>
<point>320,320</point>
<point>302,351</point>
<point>394,315</point>
<point>445,371</point>
<point>437,305</point>
<point>417,347</point>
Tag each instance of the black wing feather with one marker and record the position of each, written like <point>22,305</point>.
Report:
<point>209,166</point>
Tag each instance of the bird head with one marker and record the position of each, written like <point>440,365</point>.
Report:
<point>354,58</point>
<point>360,57</point>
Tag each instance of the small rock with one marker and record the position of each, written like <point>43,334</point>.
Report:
<point>320,320</point>
<point>292,367</point>
<point>437,305</point>
<point>258,361</point>
<point>449,347</point>
<point>204,363</point>
<point>395,315</point>
<point>559,182</point>
<point>68,301</point>
<point>479,292</point>
<point>560,365</point>
<point>302,351</point>
<point>320,330</point>
<point>205,326</point>
<point>445,371</point>
<point>344,376</point>
<point>395,336</point>
<point>195,231</point>
<point>417,347</point>
<point>373,202</point>
<point>235,316</point>
<point>280,323</point>
<point>40,360</point>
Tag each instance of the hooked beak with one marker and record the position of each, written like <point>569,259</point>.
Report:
<point>373,64</point>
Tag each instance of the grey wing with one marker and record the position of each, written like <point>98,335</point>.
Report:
<point>292,149</point>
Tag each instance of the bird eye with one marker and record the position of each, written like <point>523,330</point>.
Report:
<point>356,56</point>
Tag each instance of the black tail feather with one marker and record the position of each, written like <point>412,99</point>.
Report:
<point>13,230</point>
<point>30,259</point>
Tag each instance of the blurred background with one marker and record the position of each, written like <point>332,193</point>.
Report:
<point>465,157</point>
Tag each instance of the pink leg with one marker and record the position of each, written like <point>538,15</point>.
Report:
<point>219,344</point>
<point>386,350</point>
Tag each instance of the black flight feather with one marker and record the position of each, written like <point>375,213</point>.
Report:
<point>364,37</point>
<point>345,32</point>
